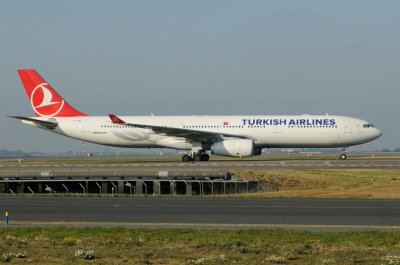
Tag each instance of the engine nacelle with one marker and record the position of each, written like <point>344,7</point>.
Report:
<point>233,147</point>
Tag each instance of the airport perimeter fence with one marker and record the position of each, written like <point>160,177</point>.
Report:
<point>128,181</point>
<point>130,186</point>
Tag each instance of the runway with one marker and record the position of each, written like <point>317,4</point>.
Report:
<point>204,213</point>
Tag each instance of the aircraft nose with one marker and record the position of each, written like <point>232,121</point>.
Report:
<point>377,133</point>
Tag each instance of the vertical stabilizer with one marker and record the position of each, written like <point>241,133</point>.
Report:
<point>45,101</point>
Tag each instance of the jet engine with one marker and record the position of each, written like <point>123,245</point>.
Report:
<point>233,147</point>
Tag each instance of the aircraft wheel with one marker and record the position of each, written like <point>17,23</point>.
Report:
<point>186,158</point>
<point>197,158</point>
<point>343,157</point>
<point>205,157</point>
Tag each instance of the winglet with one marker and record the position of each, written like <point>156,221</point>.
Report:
<point>115,119</point>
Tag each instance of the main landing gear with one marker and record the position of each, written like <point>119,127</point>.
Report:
<point>199,156</point>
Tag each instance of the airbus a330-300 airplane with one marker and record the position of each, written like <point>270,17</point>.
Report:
<point>236,136</point>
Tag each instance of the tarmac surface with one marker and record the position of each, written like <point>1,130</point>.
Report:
<point>204,213</point>
<point>139,168</point>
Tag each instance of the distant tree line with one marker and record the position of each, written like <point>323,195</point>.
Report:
<point>388,150</point>
<point>17,153</point>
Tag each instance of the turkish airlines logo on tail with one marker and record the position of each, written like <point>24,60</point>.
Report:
<point>43,103</point>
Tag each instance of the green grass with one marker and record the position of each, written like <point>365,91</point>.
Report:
<point>330,183</point>
<point>184,246</point>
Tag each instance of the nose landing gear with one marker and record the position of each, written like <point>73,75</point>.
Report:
<point>343,155</point>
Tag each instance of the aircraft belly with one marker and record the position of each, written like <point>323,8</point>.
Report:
<point>106,137</point>
<point>352,139</point>
<point>130,136</point>
<point>302,139</point>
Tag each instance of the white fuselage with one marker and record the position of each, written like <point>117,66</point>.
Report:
<point>299,131</point>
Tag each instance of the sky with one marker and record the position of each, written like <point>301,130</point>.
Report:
<point>202,58</point>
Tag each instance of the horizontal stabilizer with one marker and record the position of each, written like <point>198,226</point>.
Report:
<point>50,124</point>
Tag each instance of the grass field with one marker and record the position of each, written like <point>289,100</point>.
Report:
<point>174,246</point>
<point>330,183</point>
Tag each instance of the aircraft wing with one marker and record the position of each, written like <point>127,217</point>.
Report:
<point>190,134</point>
<point>50,124</point>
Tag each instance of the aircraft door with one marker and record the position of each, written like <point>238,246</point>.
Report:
<point>347,127</point>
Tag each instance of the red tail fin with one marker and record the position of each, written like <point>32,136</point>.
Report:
<point>45,101</point>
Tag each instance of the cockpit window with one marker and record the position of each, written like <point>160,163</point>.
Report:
<point>368,125</point>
